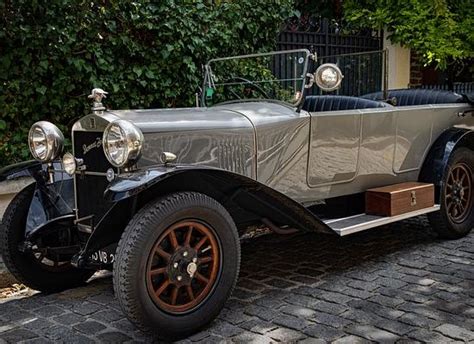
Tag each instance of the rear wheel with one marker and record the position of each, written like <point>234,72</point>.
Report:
<point>37,268</point>
<point>456,218</point>
<point>177,263</point>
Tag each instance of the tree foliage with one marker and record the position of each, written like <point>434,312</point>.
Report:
<point>145,53</point>
<point>441,30</point>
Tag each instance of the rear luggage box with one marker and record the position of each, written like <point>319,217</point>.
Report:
<point>398,199</point>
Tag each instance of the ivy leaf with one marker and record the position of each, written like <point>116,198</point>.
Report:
<point>138,71</point>
<point>41,89</point>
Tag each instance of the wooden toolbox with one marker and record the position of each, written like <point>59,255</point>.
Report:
<point>399,199</point>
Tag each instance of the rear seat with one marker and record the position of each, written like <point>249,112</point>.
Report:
<point>335,103</point>
<point>418,96</point>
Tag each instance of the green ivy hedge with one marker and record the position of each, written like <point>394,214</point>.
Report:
<point>145,54</point>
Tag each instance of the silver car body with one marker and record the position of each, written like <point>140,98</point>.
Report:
<point>306,156</point>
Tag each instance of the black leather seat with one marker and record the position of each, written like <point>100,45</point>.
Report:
<point>418,96</point>
<point>335,103</point>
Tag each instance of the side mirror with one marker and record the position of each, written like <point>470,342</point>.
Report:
<point>328,77</point>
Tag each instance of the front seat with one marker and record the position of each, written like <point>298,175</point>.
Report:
<point>335,103</point>
<point>418,96</point>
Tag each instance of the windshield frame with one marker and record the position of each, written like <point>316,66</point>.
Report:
<point>208,82</point>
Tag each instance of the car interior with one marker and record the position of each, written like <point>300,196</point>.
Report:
<point>399,97</point>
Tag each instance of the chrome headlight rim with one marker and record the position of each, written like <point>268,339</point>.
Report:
<point>130,142</point>
<point>53,141</point>
<point>69,163</point>
<point>322,82</point>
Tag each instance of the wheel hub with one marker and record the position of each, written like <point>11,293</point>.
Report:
<point>182,266</point>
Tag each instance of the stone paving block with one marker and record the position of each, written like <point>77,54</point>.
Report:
<point>68,319</point>
<point>291,322</point>
<point>334,297</point>
<point>113,337</point>
<point>310,340</point>
<point>17,334</point>
<point>297,311</point>
<point>323,332</point>
<point>86,308</point>
<point>37,340</point>
<point>417,320</point>
<point>249,337</point>
<point>108,315</point>
<point>351,340</point>
<point>279,283</point>
<point>261,312</point>
<point>89,327</point>
<point>285,335</point>
<point>427,336</point>
<point>49,310</point>
<point>258,326</point>
<point>218,327</point>
<point>456,332</point>
<point>357,293</point>
<point>329,320</point>
<point>38,324</point>
<point>372,333</point>
<point>394,326</point>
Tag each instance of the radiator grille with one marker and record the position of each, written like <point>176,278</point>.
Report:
<point>90,188</point>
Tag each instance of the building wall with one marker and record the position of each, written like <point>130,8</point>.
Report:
<point>398,64</point>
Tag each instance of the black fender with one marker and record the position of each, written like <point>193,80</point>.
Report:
<point>434,166</point>
<point>226,187</point>
<point>28,168</point>
<point>51,201</point>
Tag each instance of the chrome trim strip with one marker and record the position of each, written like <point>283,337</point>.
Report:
<point>374,221</point>
<point>90,173</point>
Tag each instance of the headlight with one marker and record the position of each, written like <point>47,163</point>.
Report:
<point>46,141</point>
<point>122,143</point>
<point>328,77</point>
<point>69,163</point>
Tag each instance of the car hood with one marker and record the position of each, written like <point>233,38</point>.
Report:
<point>184,119</point>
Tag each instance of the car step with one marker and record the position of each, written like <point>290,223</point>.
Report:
<point>361,222</point>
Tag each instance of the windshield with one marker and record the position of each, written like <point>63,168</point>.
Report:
<point>276,76</point>
<point>364,73</point>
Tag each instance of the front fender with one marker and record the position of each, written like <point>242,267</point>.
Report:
<point>226,187</point>
<point>50,200</point>
<point>20,170</point>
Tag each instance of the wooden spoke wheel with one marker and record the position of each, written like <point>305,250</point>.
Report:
<point>170,275</point>
<point>459,188</point>
<point>456,216</point>
<point>183,266</point>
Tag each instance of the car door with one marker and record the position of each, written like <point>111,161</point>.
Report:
<point>335,138</point>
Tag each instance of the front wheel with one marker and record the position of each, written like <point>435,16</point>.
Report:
<point>456,217</point>
<point>38,269</point>
<point>177,263</point>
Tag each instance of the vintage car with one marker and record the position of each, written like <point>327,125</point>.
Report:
<point>162,197</point>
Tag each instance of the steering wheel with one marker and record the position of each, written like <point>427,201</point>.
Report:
<point>247,82</point>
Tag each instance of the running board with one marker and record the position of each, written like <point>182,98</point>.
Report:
<point>361,222</point>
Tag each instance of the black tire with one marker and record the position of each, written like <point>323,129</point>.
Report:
<point>443,222</point>
<point>135,249</point>
<point>24,266</point>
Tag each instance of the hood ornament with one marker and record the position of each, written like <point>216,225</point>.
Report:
<point>97,94</point>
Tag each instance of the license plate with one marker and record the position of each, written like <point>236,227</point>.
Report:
<point>103,257</point>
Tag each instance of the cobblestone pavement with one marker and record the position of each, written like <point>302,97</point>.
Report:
<point>398,283</point>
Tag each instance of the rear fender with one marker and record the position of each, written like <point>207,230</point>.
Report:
<point>434,166</point>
